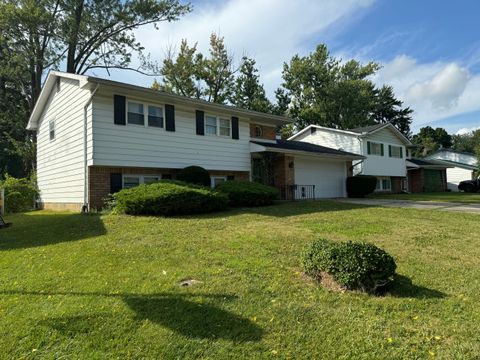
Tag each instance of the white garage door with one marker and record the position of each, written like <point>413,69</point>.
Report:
<point>328,176</point>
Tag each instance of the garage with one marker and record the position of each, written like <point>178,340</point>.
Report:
<point>328,176</point>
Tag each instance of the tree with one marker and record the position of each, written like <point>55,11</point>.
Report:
<point>429,140</point>
<point>99,33</point>
<point>466,142</point>
<point>328,92</point>
<point>248,92</point>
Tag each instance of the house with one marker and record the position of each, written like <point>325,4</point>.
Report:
<point>96,136</point>
<point>462,165</point>
<point>383,146</point>
<point>426,175</point>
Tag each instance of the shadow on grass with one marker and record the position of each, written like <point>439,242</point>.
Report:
<point>282,209</point>
<point>403,287</point>
<point>37,229</point>
<point>176,312</point>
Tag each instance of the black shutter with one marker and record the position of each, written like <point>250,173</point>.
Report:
<point>169,117</point>
<point>119,115</point>
<point>115,182</point>
<point>200,120</point>
<point>235,128</point>
<point>368,148</point>
<point>390,150</point>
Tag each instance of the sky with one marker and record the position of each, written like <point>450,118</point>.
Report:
<point>429,49</point>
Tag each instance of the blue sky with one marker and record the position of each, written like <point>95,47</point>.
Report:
<point>430,50</point>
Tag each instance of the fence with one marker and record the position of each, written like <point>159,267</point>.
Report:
<point>298,192</point>
<point>2,202</point>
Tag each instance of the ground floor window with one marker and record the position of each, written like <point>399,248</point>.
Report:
<point>216,180</point>
<point>384,184</point>
<point>130,181</point>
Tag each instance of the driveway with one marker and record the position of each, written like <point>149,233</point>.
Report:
<point>424,205</point>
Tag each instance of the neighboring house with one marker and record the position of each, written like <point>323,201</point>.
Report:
<point>95,137</point>
<point>426,175</point>
<point>462,165</point>
<point>384,148</point>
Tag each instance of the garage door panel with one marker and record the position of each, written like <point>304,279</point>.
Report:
<point>327,176</point>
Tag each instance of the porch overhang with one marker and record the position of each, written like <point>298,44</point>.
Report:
<point>298,148</point>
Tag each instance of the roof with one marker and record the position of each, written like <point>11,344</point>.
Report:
<point>86,80</point>
<point>358,132</point>
<point>457,164</point>
<point>427,163</point>
<point>304,147</point>
<point>367,129</point>
<point>453,151</point>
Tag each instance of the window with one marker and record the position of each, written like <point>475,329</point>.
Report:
<point>258,131</point>
<point>225,127</point>
<point>383,184</point>
<point>216,180</point>
<point>130,181</point>
<point>211,125</point>
<point>374,148</point>
<point>135,113</point>
<point>155,116</point>
<point>395,151</point>
<point>217,126</point>
<point>51,129</point>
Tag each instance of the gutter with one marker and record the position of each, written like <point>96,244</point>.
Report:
<point>85,207</point>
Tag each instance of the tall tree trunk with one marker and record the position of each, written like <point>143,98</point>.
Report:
<point>73,38</point>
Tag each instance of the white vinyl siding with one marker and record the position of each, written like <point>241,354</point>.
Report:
<point>456,175</point>
<point>60,170</point>
<point>139,146</point>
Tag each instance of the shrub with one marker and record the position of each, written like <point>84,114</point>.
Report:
<point>354,265</point>
<point>361,185</point>
<point>20,194</point>
<point>244,193</point>
<point>169,198</point>
<point>194,175</point>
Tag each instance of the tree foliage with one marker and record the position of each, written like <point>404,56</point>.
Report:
<point>429,140</point>
<point>328,92</point>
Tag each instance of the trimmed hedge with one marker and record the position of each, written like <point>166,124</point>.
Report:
<point>244,193</point>
<point>20,194</point>
<point>169,198</point>
<point>361,185</point>
<point>194,175</point>
<point>354,265</point>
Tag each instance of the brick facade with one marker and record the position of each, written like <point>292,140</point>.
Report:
<point>283,172</point>
<point>99,179</point>
<point>396,184</point>
<point>417,181</point>
<point>266,132</point>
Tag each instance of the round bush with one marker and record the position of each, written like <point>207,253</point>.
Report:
<point>169,198</point>
<point>354,265</point>
<point>244,193</point>
<point>361,185</point>
<point>20,194</point>
<point>194,175</point>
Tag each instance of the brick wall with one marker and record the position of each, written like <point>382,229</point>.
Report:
<point>283,172</point>
<point>415,180</point>
<point>396,184</point>
<point>99,179</point>
<point>267,132</point>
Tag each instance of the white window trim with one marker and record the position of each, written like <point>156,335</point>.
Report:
<point>145,114</point>
<point>217,121</point>
<point>140,177</point>
<point>213,178</point>
<point>375,142</point>
<point>380,181</point>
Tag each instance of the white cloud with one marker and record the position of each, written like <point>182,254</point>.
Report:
<point>271,31</point>
<point>464,131</point>
<point>436,90</point>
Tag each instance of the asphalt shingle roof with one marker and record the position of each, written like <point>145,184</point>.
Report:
<point>366,129</point>
<point>304,146</point>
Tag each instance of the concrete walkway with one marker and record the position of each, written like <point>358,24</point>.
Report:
<point>425,205</point>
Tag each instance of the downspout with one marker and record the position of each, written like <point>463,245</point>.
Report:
<point>85,206</point>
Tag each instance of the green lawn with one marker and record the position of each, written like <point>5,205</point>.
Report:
<point>94,287</point>
<point>460,197</point>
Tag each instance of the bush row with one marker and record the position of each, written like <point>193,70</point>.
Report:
<point>20,194</point>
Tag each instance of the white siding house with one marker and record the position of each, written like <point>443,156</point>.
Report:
<point>97,136</point>
<point>462,166</point>
<point>384,147</point>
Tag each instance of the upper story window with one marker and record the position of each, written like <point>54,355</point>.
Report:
<point>51,129</point>
<point>258,131</point>
<point>135,113</point>
<point>374,148</point>
<point>155,116</point>
<point>395,151</point>
<point>217,126</point>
